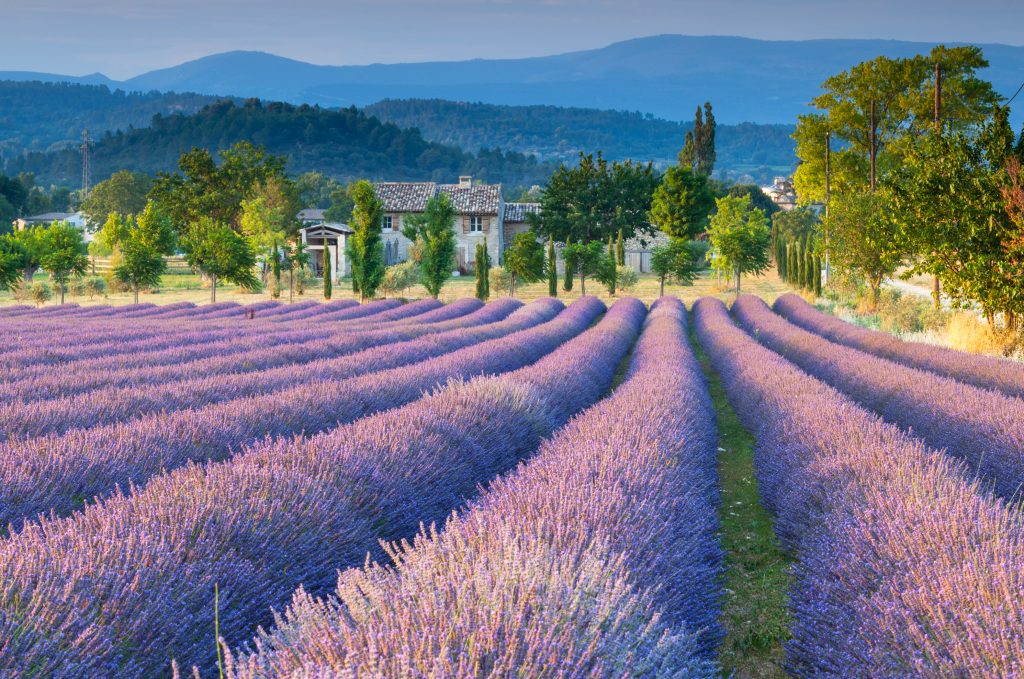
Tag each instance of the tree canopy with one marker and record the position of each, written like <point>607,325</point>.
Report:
<point>739,234</point>
<point>434,235</point>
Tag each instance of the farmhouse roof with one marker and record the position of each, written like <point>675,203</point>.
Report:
<point>50,217</point>
<point>478,199</point>
<point>515,213</point>
<point>405,196</point>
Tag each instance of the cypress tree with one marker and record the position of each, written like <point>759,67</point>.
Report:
<point>791,263</point>
<point>275,270</point>
<point>620,250</point>
<point>487,271</point>
<point>481,272</point>
<point>780,259</point>
<point>327,274</point>
<point>817,276</point>
<point>809,283</point>
<point>801,265</point>
<point>552,269</point>
<point>611,267</point>
<point>567,284</point>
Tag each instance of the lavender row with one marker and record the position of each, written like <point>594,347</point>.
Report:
<point>334,358</point>
<point>984,427</point>
<point>126,587</point>
<point>207,342</point>
<point>294,347</point>
<point>58,472</point>
<point>986,372</point>
<point>904,567</point>
<point>598,558</point>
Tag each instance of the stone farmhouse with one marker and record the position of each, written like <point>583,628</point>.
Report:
<point>482,216</point>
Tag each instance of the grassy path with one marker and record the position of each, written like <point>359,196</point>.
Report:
<point>754,611</point>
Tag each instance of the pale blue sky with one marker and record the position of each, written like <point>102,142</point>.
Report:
<point>123,38</point>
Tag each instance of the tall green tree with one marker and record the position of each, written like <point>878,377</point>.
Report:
<point>482,271</point>
<point>11,262</point>
<point>143,242</point>
<point>585,260</point>
<point>365,245</point>
<point>674,261</point>
<point>434,233</point>
<point>865,239</point>
<point>204,188</point>
<point>552,269</point>
<point>947,200</point>
<point>611,273</point>
<point>569,273</point>
<point>29,246</point>
<point>620,250</point>
<point>221,253</point>
<point>64,254</point>
<point>595,198</point>
<point>123,194</point>
<point>524,260</point>
<point>682,203</point>
<point>328,276</point>
<point>877,109</point>
<point>698,152</point>
<point>740,235</point>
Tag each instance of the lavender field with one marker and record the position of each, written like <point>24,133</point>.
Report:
<point>498,490</point>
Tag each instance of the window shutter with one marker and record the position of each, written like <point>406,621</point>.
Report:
<point>465,225</point>
<point>487,224</point>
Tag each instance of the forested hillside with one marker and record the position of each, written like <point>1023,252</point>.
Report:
<point>38,116</point>
<point>345,144</point>
<point>553,132</point>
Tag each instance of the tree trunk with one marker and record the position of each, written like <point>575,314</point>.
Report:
<point>738,274</point>
<point>661,290</point>
<point>937,293</point>
<point>876,290</point>
<point>512,286</point>
<point>213,289</point>
<point>291,285</point>
<point>136,294</point>
<point>61,286</point>
<point>583,285</point>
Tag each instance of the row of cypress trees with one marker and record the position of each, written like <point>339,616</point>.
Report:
<point>483,268</point>
<point>798,264</point>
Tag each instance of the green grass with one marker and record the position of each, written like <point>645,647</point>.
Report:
<point>755,606</point>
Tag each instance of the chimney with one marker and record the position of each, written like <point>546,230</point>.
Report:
<point>465,182</point>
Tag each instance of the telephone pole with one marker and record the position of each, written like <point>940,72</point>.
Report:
<point>85,164</point>
<point>872,134</point>
<point>828,199</point>
<point>936,286</point>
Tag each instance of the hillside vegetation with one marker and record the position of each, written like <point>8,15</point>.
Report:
<point>345,144</point>
<point>37,116</point>
<point>552,132</point>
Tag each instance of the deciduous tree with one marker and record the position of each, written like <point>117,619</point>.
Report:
<point>365,247</point>
<point>63,254</point>
<point>740,235</point>
<point>434,232</point>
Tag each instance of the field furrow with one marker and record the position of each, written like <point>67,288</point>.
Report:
<point>905,567</point>
<point>981,426</point>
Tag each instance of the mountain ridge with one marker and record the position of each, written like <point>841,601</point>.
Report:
<point>748,80</point>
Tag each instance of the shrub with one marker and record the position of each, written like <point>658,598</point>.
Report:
<point>95,285</point>
<point>77,287</point>
<point>41,292</point>
<point>499,280</point>
<point>626,278</point>
<point>399,278</point>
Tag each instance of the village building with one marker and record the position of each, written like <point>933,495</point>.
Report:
<point>327,239</point>
<point>75,219</point>
<point>782,192</point>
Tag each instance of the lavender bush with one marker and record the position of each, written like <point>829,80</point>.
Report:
<point>57,473</point>
<point>981,371</point>
<point>904,567</point>
<point>122,588</point>
<point>597,558</point>
<point>984,427</point>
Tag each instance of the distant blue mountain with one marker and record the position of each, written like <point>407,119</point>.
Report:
<point>667,76</point>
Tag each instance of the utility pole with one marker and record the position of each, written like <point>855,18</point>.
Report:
<point>85,164</point>
<point>936,286</point>
<point>828,199</point>
<point>872,134</point>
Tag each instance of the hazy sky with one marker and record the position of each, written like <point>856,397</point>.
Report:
<point>122,38</point>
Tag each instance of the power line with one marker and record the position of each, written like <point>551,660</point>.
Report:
<point>1010,100</point>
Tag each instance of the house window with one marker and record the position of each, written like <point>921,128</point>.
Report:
<point>386,223</point>
<point>476,224</point>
